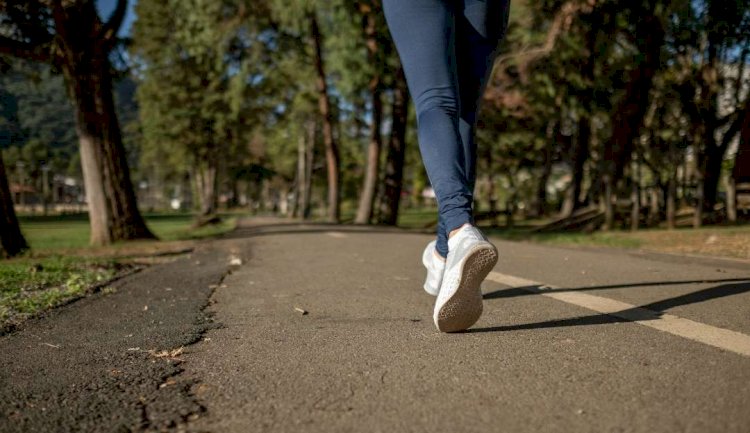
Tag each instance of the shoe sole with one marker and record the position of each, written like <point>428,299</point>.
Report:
<point>463,309</point>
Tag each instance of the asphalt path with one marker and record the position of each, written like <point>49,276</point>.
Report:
<point>290,327</point>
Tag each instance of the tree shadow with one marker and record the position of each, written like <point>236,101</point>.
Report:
<point>645,312</point>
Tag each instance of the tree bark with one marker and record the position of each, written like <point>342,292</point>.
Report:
<point>583,139</point>
<point>324,104</point>
<point>711,168</point>
<point>299,178</point>
<point>394,166</point>
<point>635,210</point>
<point>309,158</point>
<point>12,241</point>
<point>699,202</point>
<point>206,175</point>
<point>541,188</point>
<point>369,186</point>
<point>731,199</point>
<point>608,196</point>
<point>672,200</point>
<point>84,60</point>
<point>741,171</point>
<point>578,162</point>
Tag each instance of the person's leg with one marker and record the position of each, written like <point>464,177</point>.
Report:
<point>480,27</point>
<point>424,33</point>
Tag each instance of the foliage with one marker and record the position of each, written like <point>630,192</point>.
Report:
<point>579,95</point>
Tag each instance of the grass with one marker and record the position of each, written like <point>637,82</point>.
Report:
<point>29,285</point>
<point>610,239</point>
<point>417,218</point>
<point>70,232</point>
<point>61,266</point>
<point>719,241</point>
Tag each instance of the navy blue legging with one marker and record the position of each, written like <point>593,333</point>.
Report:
<point>447,48</point>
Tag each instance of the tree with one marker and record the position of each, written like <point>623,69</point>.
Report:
<point>72,37</point>
<point>182,91</point>
<point>326,112</point>
<point>630,110</point>
<point>12,241</point>
<point>372,24</point>
<point>396,156</point>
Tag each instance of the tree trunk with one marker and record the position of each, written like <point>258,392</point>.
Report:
<point>369,186</point>
<point>635,195</point>
<point>84,61</point>
<point>541,188</point>
<point>731,199</point>
<point>699,206</point>
<point>741,171</point>
<point>578,161</point>
<point>510,208</point>
<point>607,198</point>
<point>324,104</point>
<point>635,210</point>
<point>510,202</point>
<point>12,241</point>
<point>672,201</point>
<point>309,158</point>
<point>713,158</point>
<point>654,206</point>
<point>206,185</point>
<point>394,166</point>
<point>630,112</point>
<point>583,139</point>
<point>299,178</point>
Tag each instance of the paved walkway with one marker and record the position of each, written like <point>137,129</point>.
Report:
<point>326,328</point>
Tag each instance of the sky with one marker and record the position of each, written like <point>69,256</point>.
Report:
<point>106,7</point>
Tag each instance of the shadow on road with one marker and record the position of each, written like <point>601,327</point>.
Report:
<point>650,311</point>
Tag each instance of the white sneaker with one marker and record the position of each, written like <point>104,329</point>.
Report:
<point>435,268</point>
<point>470,258</point>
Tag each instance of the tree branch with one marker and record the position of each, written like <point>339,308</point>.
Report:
<point>108,33</point>
<point>736,125</point>
<point>14,48</point>
<point>59,16</point>
<point>561,23</point>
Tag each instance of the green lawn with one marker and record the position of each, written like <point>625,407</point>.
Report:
<point>46,234</point>
<point>29,285</point>
<point>417,218</point>
<point>722,241</point>
<point>61,266</point>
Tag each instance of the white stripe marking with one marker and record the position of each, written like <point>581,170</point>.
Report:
<point>337,235</point>
<point>717,337</point>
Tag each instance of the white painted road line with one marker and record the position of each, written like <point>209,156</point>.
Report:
<point>337,235</point>
<point>717,337</point>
